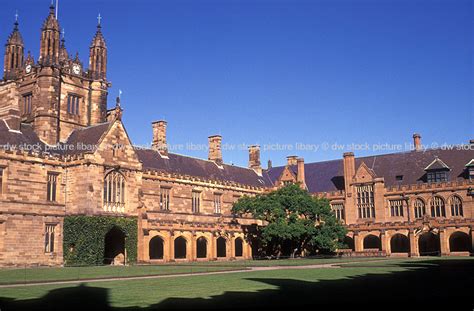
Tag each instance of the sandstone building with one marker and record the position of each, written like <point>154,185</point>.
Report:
<point>63,153</point>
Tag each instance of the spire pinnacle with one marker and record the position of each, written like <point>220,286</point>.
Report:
<point>99,19</point>
<point>16,21</point>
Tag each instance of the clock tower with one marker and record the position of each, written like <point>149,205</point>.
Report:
<point>56,94</point>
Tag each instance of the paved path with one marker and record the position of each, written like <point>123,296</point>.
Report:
<point>244,270</point>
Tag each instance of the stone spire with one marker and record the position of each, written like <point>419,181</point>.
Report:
<point>98,54</point>
<point>50,39</point>
<point>14,53</point>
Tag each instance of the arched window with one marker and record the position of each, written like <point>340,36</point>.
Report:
<point>114,192</point>
<point>437,207</point>
<point>239,247</point>
<point>456,206</point>
<point>420,209</point>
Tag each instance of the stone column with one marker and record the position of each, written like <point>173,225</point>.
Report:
<point>413,244</point>
<point>383,241</point>
<point>443,241</point>
<point>231,251</point>
<point>171,247</point>
<point>193,247</point>
<point>358,243</point>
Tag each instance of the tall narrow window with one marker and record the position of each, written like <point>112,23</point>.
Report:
<point>196,201</point>
<point>456,206</point>
<point>26,107</point>
<point>365,201</point>
<point>114,192</point>
<point>52,187</point>
<point>420,209</point>
<point>437,207</point>
<point>1,180</point>
<point>165,199</point>
<point>73,104</point>
<point>338,209</point>
<point>396,208</point>
<point>49,238</point>
<point>217,203</point>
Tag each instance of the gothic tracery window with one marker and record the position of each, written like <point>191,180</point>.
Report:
<point>438,208</point>
<point>456,206</point>
<point>419,207</point>
<point>114,192</point>
<point>365,201</point>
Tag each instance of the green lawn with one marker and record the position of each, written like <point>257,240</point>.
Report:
<point>44,274</point>
<point>393,283</point>
<point>29,275</point>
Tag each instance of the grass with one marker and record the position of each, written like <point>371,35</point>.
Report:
<point>48,274</point>
<point>400,282</point>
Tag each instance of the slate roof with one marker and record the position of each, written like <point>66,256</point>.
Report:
<point>323,176</point>
<point>89,136</point>
<point>329,175</point>
<point>185,165</point>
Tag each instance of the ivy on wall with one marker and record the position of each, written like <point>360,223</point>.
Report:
<point>84,238</point>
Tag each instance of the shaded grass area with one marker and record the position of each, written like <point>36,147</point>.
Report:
<point>402,284</point>
<point>48,274</point>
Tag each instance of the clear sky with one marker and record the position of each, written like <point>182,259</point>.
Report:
<point>279,72</point>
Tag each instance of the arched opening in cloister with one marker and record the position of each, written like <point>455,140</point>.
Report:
<point>399,243</point>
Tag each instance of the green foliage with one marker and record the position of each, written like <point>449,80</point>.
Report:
<point>83,238</point>
<point>295,222</point>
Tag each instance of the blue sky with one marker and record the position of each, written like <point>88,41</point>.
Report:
<point>279,73</point>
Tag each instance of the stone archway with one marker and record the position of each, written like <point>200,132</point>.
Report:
<point>156,248</point>
<point>399,243</point>
<point>459,242</point>
<point>180,248</point>
<point>239,247</point>
<point>349,243</point>
<point>372,242</point>
<point>114,247</point>
<point>221,247</point>
<point>429,244</point>
<point>201,247</point>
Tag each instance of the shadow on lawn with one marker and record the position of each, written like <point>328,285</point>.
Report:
<point>432,283</point>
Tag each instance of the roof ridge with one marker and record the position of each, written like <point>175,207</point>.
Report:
<point>200,159</point>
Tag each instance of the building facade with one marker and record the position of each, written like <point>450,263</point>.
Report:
<point>65,154</point>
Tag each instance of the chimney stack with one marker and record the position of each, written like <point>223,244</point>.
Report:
<point>349,170</point>
<point>291,160</point>
<point>159,137</point>
<point>417,142</point>
<point>215,149</point>
<point>300,176</point>
<point>254,159</point>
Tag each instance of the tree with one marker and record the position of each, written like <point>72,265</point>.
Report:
<point>294,221</point>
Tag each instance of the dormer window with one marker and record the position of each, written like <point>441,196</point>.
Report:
<point>470,170</point>
<point>437,171</point>
<point>436,176</point>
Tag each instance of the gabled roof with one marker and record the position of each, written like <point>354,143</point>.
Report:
<point>89,136</point>
<point>328,176</point>
<point>437,164</point>
<point>185,165</point>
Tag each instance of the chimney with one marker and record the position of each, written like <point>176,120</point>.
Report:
<point>417,142</point>
<point>254,159</point>
<point>291,160</point>
<point>159,137</point>
<point>269,164</point>
<point>300,177</point>
<point>215,149</point>
<point>349,170</point>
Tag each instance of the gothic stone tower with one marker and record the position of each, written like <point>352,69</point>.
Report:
<point>55,94</point>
